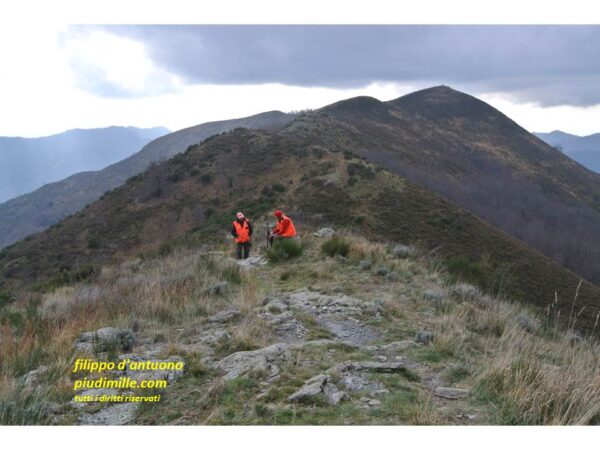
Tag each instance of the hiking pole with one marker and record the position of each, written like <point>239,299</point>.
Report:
<point>268,232</point>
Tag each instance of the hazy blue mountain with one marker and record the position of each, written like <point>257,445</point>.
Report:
<point>37,210</point>
<point>583,149</point>
<point>28,163</point>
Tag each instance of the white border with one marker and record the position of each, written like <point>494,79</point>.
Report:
<point>301,11</point>
<point>36,12</point>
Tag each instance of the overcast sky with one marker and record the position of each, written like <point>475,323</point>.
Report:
<point>57,78</point>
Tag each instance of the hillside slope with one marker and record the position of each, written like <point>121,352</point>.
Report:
<point>470,153</point>
<point>190,200</point>
<point>29,163</point>
<point>38,210</point>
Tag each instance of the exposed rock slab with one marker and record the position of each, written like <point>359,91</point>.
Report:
<point>325,232</point>
<point>106,337</point>
<point>451,393</point>
<point>117,414</point>
<point>317,385</point>
<point>251,263</point>
<point>225,316</point>
<point>31,378</point>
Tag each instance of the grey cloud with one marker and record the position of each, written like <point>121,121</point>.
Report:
<point>548,65</point>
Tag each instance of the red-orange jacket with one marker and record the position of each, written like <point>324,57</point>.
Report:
<point>285,227</point>
<point>241,232</point>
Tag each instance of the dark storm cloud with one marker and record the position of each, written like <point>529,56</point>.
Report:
<point>549,65</point>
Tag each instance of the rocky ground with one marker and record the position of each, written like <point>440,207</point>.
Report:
<point>378,336</point>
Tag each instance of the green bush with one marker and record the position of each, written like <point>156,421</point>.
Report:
<point>284,249</point>
<point>5,299</point>
<point>93,243</point>
<point>481,272</point>
<point>278,187</point>
<point>336,246</point>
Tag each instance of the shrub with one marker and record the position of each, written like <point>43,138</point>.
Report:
<point>435,296</point>
<point>93,243</point>
<point>462,267</point>
<point>284,249</point>
<point>231,273</point>
<point>5,299</point>
<point>336,246</point>
<point>382,271</point>
<point>465,291</point>
<point>404,251</point>
<point>208,212</point>
<point>366,264</point>
<point>267,192</point>
<point>278,187</point>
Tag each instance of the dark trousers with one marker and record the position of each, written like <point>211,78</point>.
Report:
<point>242,249</point>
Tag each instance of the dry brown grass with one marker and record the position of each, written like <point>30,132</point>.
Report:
<point>152,294</point>
<point>361,248</point>
<point>529,375</point>
<point>526,375</point>
<point>537,380</point>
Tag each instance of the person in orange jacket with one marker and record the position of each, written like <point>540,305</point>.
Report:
<point>242,232</point>
<point>284,229</point>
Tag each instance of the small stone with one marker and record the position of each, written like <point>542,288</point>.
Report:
<point>311,388</point>
<point>382,271</point>
<point>465,291</point>
<point>84,347</point>
<point>451,393</point>
<point>398,346</point>
<point>325,232</point>
<point>574,338</point>
<point>266,300</point>
<point>424,337</point>
<point>341,259</point>
<point>115,414</point>
<point>225,316</point>
<point>33,376</point>
<point>382,358</point>
<point>527,323</point>
<point>277,307</point>
<point>435,296</point>
<point>365,264</point>
<point>336,398</point>
<point>251,262</point>
<point>104,338</point>
<point>380,392</point>
<point>374,403</point>
<point>392,276</point>
<point>217,288</point>
<point>403,251</point>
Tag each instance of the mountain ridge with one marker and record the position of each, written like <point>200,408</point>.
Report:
<point>190,199</point>
<point>44,207</point>
<point>490,165</point>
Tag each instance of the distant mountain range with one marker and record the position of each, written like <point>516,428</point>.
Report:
<point>583,149</point>
<point>49,204</point>
<point>437,168</point>
<point>29,163</point>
